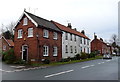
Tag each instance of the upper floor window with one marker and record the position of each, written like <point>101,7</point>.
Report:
<point>71,37</point>
<point>4,47</point>
<point>20,33</point>
<point>45,50</point>
<point>45,33</point>
<point>55,35</point>
<point>80,40</point>
<point>66,36</point>
<point>87,42</point>
<point>30,32</point>
<point>84,41</point>
<point>75,37</point>
<point>25,21</point>
<point>55,51</point>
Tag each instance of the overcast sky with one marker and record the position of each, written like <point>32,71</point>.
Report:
<point>99,16</point>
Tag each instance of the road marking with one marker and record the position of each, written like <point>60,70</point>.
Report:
<point>85,67</point>
<point>99,63</point>
<point>58,73</point>
<point>92,65</point>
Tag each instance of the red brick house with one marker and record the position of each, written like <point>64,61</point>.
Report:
<point>37,39</point>
<point>100,45</point>
<point>6,44</point>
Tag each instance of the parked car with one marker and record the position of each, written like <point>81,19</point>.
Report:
<point>107,56</point>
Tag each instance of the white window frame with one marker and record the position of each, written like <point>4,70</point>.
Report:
<point>45,33</point>
<point>4,47</point>
<point>25,21</point>
<point>81,49</point>
<point>75,38</point>
<point>55,51</point>
<point>71,49</point>
<point>20,33</point>
<point>75,49</point>
<point>87,42</point>
<point>55,35</point>
<point>70,37</point>
<point>84,41</point>
<point>66,36</point>
<point>45,51</point>
<point>81,40</point>
<point>30,32</point>
<point>66,48</point>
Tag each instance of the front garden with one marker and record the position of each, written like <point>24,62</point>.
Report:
<point>9,58</point>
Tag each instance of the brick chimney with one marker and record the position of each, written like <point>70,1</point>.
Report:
<point>69,25</point>
<point>83,32</point>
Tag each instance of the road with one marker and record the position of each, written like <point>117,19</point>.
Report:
<point>90,70</point>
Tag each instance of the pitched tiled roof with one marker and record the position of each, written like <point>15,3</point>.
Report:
<point>67,29</point>
<point>43,22</point>
<point>11,43</point>
<point>8,41</point>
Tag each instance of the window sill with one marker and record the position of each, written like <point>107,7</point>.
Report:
<point>25,24</point>
<point>54,55</point>
<point>45,37</point>
<point>45,56</point>
<point>30,36</point>
<point>55,39</point>
<point>19,37</point>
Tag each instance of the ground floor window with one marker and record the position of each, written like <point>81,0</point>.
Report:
<point>45,50</point>
<point>66,49</point>
<point>55,49</point>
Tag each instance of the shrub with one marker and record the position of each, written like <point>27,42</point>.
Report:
<point>3,55</point>
<point>77,56</point>
<point>19,61</point>
<point>83,55</point>
<point>46,61</point>
<point>9,56</point>
<point>65,60</point>
<point>92,54</point>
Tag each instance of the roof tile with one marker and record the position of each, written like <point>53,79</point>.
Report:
<point>67,29</point>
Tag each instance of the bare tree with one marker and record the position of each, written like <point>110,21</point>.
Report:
<point>10,27</point>
<point>2,30</point>
<point>7,31</point>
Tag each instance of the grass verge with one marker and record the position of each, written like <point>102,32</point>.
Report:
<point>70,62</point>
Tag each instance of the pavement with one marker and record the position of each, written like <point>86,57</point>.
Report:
<point>90,70</point>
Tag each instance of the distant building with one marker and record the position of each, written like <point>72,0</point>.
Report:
<point>100,46</point>
<point>5,44</point>
<point>73,42</point>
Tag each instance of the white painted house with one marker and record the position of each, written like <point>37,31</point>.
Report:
<point>73,42</point>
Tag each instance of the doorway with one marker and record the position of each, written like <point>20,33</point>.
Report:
<point>24,52</point>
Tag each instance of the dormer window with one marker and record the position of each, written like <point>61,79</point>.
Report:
<point>25,21</point>
<point>45,33</point>
<point>55,35</point>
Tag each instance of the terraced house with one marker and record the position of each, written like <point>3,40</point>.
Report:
<point>73,41</point>
<point>37,39</point>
